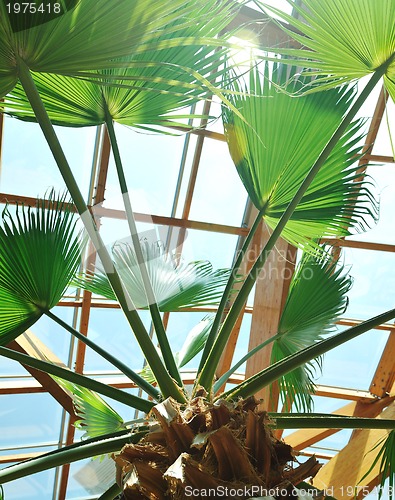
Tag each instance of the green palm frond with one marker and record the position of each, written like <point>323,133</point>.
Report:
<point>195,341</point>
<point>272,157</point>
<point>347,39</point>
<point>154,83</point>
<point>97,418</point>
<point>386,458</point>
<point>83,37</point>
<point>316,298</point>
<point>175,286</point>
<point>39,254</point>
<point>193,344</point>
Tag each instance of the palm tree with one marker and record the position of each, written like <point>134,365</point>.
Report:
<point>142,74</point>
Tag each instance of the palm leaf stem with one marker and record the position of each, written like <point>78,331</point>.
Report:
<point>98,446</point>
<point>208,371</point>
<point>152,303</point>
<point>111,493</point>
<point>277,370</point>
<point>323,421</point>
<point>66,374</point>
<point>132,375</point>
<point>224,378</point>
<point>228,289</point>
<point>166,383</point>
<point>68,454</point>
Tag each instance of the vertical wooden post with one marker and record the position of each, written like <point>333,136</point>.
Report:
<point>270,294</point>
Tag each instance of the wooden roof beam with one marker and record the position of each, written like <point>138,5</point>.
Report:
<point>383,380</point>
<point>373,128</point>
<point>100,211</point>
<point>97,199</point>
<point>349,466</point>
<point>29,344</point>
<point>270,295</point>
<point>245,266</point>
<point>363,245</point>
<point>306,437</point>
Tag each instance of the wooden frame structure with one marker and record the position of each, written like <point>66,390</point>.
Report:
<point>269,300</point>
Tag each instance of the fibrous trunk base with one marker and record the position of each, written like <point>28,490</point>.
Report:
<point>221,450</point>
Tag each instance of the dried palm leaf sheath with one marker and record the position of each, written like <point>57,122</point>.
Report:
<point>225,450</point>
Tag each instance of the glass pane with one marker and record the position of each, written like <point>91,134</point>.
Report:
<point>216,124</point>
<point>29,419</point>
<point>279,4</point>
<point>90,478</point>
<point>111,331</point>
<point>373,287</point>
<point>21,451</point>
<point>36,487</point>
<point>219,195</point>
<point>382,146</point>
<point>21,137</point>
<point>217,248</point>
<point>332,444</point>
<point>353,364</point>
<point>10,367</point>
<point>151,163</point>
<point>179,326</point>
<point>383,230</point>
<point>54,336</point>
<point>117,230</point>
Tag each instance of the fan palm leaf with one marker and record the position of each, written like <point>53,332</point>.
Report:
<point>40,253</point>
<point>82,36</point>
<point>97,418</point>
<point>191,347</point>
<point>195,341</point>
<point>347,39</point>
<point>175,287</point>
<point>273,372</point>
<point>169,74</point>
<point>272,157</point>
<point>317,297</point>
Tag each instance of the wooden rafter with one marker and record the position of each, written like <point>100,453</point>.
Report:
<point>270,295</point>
<point>98,199</point>
<point>29,344</point>
<point>350,465</point>
<point>20,457</point>
<point>246,264</point>
<point>373,128</point>
<point>100,211</point>
<point>122,382</point>
<point>306,437</point>
<point>384,377</point>
<point>363,245</point>
<point>261,29</point>
<point>379,158</point>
